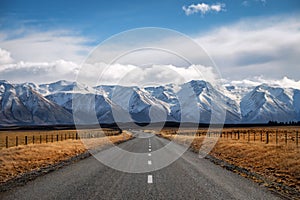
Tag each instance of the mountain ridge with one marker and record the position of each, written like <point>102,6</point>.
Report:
<point>194,101</point>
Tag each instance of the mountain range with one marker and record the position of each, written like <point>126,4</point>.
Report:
<point>194,101</point>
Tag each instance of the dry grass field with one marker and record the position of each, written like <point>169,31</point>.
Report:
<point>15,161</point>
<point>270,152</point>
<point>279,162</point>
<point>18,137</point>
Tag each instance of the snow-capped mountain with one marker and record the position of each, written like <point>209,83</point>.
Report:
<point>194,101</point>
<point>195,98</point>
<point>266,103</point>
<point>20,104</point>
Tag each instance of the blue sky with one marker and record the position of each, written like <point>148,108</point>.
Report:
<point>255,37</point>
<point>101,19</point>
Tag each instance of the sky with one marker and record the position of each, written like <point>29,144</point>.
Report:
<point>45,41</point>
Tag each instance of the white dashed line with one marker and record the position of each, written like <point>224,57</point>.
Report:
<point>150,179</point>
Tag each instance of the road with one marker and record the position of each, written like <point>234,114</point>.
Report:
<point>188,177</point>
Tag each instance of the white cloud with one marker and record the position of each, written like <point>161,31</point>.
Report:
<point>203,8</point>
<point>217,7</point>
<point>39,72</point>
<point>37,46</point>
<point>101,73</point>
<point>120,74</point>
<point>5,57</point>
<point>285,82</point>
<point>256,46</point>
<point>50,56</point>
<point>252,47</point>
<point>41,56</point>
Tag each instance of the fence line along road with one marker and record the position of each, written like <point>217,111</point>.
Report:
<point>22,139</point>
<point>277,136</point>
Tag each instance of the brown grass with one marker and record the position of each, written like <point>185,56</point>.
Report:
<point>46,136</point>
<point>279,163</point>
<point>279,135</point>
<point>15,161</point>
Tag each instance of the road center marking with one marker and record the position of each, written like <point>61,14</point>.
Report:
<point>150,179</point>
<point>149,149</point>
<point>149,162</point>
<point>149,154</point>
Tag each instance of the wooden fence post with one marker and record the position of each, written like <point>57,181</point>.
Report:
<point>25,140</point>
<point>76,136</point>
<point>33,139</point>
<point>238,134</point>
<point>56,137</point>
<point>297,141</point>
<point>248,136</point>
<point>261,135</point>
<point>267,137</point>
<point>276,136</point>
<point>17,142</point>
<point>6,141</point>
<point>285,137</point>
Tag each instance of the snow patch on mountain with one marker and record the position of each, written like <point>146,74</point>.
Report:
<point>194,101</point>
<point>20,104</point>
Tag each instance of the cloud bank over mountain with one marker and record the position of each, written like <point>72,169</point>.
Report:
<point>266,47</point>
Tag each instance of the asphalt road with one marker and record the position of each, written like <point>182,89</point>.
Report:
<point>188,177</point>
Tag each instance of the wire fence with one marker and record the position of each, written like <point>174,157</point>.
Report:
<point>277,136</point>
<point>17,139</point>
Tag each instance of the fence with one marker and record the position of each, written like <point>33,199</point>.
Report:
<point>277,136</point>
<point>11,140</point>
